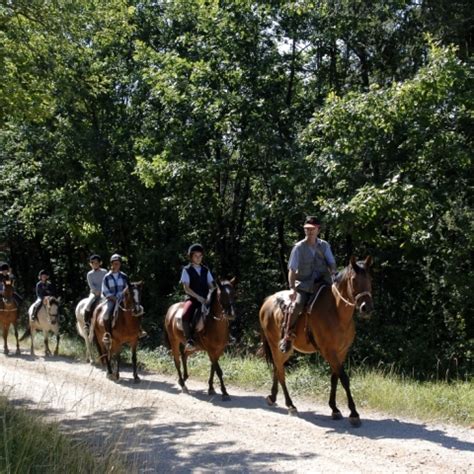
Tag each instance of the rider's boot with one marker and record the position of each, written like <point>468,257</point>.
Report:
<point>189,347</point>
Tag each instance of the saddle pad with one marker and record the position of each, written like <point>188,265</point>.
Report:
<point>179,321</point>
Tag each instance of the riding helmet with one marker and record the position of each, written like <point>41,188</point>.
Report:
<point>4,266</point>
<point>95,257</point>
<point>195,248</point>
<point>115,257</point>
<point>43,272</point>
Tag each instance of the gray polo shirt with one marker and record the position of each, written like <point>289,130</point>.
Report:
<point>94,279</point>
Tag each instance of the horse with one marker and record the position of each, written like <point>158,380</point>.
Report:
<point>327,327</point>
<point>82,330</point>
<point>9,314</point>
<point>125,330</point>
<point>47,320</point>
<point>213,338</point>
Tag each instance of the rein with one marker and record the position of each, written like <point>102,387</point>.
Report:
<point>356,298</point>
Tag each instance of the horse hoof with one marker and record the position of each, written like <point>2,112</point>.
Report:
<point>355,421</point>
<point>184,389</point>
<point>136,379</point>
<point>269,400</point>
<point>6,352</point>
<point>226,397</point>
<point>211,391</point>
<point>292,411</point>
<point>336,415</point>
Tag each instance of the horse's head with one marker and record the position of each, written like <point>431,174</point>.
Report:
<point>51,304</point>
<point>8,291</point>
<point>226,298</point>
<point>358,284</point>
<point>133,297</point>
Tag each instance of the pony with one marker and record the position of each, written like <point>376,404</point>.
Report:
<point>9,314</point>
<point>47,320</point>
<point>213,338</point>
<point>327,327</point>
<point>125,330</point>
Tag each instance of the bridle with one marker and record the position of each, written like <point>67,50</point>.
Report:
<point>357,297</point>
<point>228,310</point>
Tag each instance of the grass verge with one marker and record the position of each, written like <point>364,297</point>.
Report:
<point>29,444</point>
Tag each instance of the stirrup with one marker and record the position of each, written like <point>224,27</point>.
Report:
<point>287,341</point>
<point>189,347</point>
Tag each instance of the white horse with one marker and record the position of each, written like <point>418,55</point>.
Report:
<point>83,331</point>
<point>47,320</point>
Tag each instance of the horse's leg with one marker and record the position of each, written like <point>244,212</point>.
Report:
<point>56,351</point>
<point>6,327</point>
<point>336,414</point>
<point>175,349</point>
<point>211,390</point>
<point>32,335</point>
<point>47,352</point>
<point>271,399</point>
<point>354,418</point>
<point>15,327</point>
<point>217,368</point>
<point>184,359</point>
<point>117,367</point>
<point>136,378</point>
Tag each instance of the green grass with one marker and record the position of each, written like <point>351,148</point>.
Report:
<point>29,444</point>
<point>373,389</point>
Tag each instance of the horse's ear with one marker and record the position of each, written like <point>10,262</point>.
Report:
<point>234,282</point>
<point>368,261</point>
<point>353,262</point>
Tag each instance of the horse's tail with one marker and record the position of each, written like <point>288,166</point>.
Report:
<point>27,333</point>
<point>166,339</point>
<point>267,352</point>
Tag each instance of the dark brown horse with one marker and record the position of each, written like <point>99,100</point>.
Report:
<point>213,338</point>
<point>328,327</point>
<point>9,314</point>
<point>125,331</point>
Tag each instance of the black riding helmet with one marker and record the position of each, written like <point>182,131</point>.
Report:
<point>195,248</point>
<point>95,257</point>
<point>43,272</point>
<point>4,266</point>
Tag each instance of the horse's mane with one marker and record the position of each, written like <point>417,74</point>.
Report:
<point>344,273</point>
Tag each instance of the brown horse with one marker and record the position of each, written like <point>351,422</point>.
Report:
<point>213,338</point>
<point>328,328</point>
<point>9,314</point>
<point>125,331</point>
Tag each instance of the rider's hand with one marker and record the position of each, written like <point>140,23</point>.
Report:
<point>202,300</point>
<point>292,294</point>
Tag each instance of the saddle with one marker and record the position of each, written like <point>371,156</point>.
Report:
<point>198,319</point>
<point>286,306</point>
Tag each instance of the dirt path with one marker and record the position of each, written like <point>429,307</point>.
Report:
<point>159,429</point>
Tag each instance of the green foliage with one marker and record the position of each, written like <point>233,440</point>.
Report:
<point>140,127</point>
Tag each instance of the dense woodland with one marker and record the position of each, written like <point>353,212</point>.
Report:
<point>140,127</point>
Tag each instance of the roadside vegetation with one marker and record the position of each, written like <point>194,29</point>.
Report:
<point>29,444</point>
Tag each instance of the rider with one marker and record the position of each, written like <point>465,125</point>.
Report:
<point>113,285</point>
<point>94,280</point>
<point>197,281</point>
<point>311,261</point>
<point>7,275</point>
<point>43,288</point>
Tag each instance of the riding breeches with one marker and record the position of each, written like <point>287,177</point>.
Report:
<point>91,299</point>
<point>302,299</point>
<point>189,308</point>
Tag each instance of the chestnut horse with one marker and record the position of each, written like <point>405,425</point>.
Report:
<point>9,314</point>
<point>125,330</point>
<point>213,338</point>
<point>46,320</point>
<point>328,328</point>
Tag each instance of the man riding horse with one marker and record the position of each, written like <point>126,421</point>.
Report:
<point>311,262</point>
<point>197,280</point>
<point>7,275</point>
